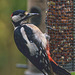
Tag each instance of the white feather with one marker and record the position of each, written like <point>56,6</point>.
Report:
<point>16,18</point>
<point>38,34</point>
<point>32,47</point>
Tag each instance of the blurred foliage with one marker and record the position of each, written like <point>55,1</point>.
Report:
<point>73,73</point>
<point>9,54</point>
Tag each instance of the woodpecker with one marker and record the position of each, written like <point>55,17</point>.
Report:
<point>33,44</point>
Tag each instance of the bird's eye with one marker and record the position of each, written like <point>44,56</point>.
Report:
<point>21,15</point>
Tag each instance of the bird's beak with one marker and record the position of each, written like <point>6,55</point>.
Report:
<point>28,15</point>
<point>33,14</point>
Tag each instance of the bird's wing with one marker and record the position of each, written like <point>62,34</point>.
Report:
<point>38,41</point>
<point>37,36</point>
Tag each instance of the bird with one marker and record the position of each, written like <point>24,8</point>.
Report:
<point>34,44</point>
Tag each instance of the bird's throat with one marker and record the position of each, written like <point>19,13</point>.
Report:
<point>24,22</point>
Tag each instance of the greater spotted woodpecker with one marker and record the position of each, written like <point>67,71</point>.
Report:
<point>33,44</point>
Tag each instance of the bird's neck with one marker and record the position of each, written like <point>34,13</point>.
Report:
<point>16,24</point>
<point>20,23</point>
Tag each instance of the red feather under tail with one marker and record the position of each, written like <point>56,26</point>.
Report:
<point>56,68</point>
<point>48,53</point>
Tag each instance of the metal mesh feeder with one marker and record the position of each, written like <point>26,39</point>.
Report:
<point>60,26</point>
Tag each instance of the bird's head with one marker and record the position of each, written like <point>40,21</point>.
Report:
<point>20,15</point>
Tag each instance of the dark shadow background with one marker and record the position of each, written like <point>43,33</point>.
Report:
<point>9,54</point>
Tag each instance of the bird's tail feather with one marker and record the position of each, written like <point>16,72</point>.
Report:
<point>58,69</point>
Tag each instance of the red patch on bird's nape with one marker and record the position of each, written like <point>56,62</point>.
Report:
<point>11,15</point>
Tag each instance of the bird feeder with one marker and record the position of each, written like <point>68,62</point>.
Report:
<point>60,22</point>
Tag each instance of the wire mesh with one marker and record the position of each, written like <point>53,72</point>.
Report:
<point>61,28</point>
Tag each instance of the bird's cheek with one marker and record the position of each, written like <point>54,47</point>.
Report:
<point>16,18</point>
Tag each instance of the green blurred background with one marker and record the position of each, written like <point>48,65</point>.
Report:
<point>9,54</point>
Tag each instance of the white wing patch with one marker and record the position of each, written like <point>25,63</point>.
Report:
<point>32,47</point>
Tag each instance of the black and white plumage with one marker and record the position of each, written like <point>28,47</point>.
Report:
<point>32,47</point>
<point>32,42</point>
